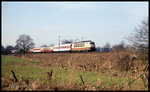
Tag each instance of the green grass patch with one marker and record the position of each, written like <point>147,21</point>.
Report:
<point>8,60</point>
<point>59,75</point>
<point>26,72</point>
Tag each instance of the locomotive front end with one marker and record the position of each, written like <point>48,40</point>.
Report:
<point>92,45</point>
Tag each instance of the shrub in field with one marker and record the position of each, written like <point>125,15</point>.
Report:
<point>121,61</point>
<point>114,60</point>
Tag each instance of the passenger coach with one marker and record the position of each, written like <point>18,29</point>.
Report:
<point>64,47</point>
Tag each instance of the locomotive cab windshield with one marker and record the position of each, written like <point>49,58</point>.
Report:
<point>92,43</point>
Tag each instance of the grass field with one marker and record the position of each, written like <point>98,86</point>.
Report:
<point>62,79</point>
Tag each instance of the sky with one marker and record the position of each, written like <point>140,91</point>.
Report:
<point>44,22</point>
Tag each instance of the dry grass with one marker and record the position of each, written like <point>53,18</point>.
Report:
<point>88,61</point>
<point>111,66</point>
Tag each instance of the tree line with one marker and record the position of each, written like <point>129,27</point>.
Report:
<point>117,47</point>
<point>138,42</point>
<point>106,48</point>
<point>23,43</point>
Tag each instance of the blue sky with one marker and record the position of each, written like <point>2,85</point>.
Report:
<point>100,22</point>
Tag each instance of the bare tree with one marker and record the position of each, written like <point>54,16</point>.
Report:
<point>2,49</point>
<point>139,40</point>
<point>76,40</point>
<point>24,43</point>
<point>122,46</point>
<point>44,46</point>
<point>51,45</point>
<point>119,47</point>
<point>107,47</point>
<point>67,41</point>
<point>8,49</point>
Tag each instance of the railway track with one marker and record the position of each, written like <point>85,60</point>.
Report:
<point>64,52</point>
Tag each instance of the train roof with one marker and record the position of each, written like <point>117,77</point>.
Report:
<point>84,41</point>
<point>87,41</point>
<point>41,47</point>
<point>62,45</point>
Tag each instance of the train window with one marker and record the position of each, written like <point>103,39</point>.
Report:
<point>92,43</point>
<point>79,45</point>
